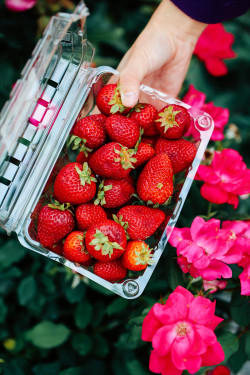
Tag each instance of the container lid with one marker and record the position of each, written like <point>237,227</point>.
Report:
<point>43,105</point>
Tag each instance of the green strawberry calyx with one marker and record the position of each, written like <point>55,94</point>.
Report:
<point>101,193</point>
<point>137,108</point>
<point>144,256</point>
<point>101,242</point>
<point>85,175</point>
<point>124,224</point>
<point>61,206</point>
<point>139,140</point>
<point>125,157</point>
<point>80,237</point>
<point>116,101</point>
<point>79,143</point>
<point>168,118</point>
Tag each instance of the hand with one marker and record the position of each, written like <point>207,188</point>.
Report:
<point>161,54</point>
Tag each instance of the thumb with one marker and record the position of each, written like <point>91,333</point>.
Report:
<point>131,75</point>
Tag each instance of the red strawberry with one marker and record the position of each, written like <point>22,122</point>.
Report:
<point>155,183</point>
<point>173,121</point>
<point>109,100</point>
<point>88,214</point>
<point>106,241</point>
<point>123,130</point>
<point>75,184</point>
<point>140,221</point>
<point>57,248</point>
<point>151,131</point>
<point>32,231</point>
<point>111,271</point>
<point>75,250</point>
<point>54,223</point>
<point>137,256</point>
<point>112,161</point>
<point>82,158</point>
<point>151,141</point>
<point>130,179</point>
<point>180,151</point>
<point>114,193</point>
<point>89,133</point>
<point>144,114</point>
<point>144,153</point>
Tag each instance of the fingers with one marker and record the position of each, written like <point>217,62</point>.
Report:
<point>132,70</point>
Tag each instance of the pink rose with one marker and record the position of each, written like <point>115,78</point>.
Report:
<point>225,178</point>
<point>19,5</point>
<point>182,334</point>
<point>214,45</point>
<point>245,281</point>
<point>205,249</point>
<point>214,285</point>
<point>242,242</point>
<point>220,115</point>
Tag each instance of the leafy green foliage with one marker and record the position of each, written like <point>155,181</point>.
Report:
<point>59,328</point>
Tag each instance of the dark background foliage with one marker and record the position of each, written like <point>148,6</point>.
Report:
<point>53,322</point>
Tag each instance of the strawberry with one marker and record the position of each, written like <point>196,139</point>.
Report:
<point>87,214</point>
<point>75,184</point>
<point>140,221</point>
<point>144,114</point>
<point>155,183</point>
<point>82,157</point>
<point>123,130</point>
<point>114,193</point>
<point>151,141</point>
<point>137,256</point>
<point>130,179</point>
<point>112,161</point>
<point>173,121</point>
<point>180,151</point>
<point>57,248</point>
<point>110,271</point>
<point>144,153</point>
<point>88,133</point>
<point>106,240</point>
<point>55,221</point>
<point>75,250</point>
<point>151,131</point>
<point>109,100</point>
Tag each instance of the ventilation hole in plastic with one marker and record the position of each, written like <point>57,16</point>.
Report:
<point>13,160</point>
<point>52,83</point>
<point>4,181</point>
<point>24,141</point>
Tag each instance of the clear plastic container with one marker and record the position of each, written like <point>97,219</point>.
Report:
<point>57,86</point>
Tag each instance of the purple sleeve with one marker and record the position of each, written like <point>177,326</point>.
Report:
<point>213,11</point>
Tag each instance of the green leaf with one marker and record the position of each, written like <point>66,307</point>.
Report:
<point>12,369</point>
<point>100,345</point>
<point>11,252</point>
<point>135,367</point>
<point>71,371</point>
<point>3,311</point>
<point>247,346</point>
<point>237,360</point>
<point>229,343</point>
<point>82,343</point>
<point>47,335</point>
<point>83,314</point>
<point>46,368</point>
<point>26,290</point>
<point>75,294</point>
<point>174,273</point>
<point>240,309</point>
<point>117,306</point>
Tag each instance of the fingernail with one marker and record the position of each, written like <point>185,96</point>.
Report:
<point>129,98</point>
